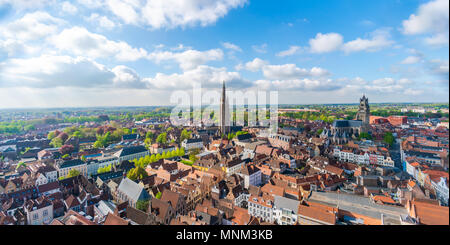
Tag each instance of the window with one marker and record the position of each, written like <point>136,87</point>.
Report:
<point>35,216</point>
<point>45,213</point>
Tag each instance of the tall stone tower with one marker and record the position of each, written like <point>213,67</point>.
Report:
<point>364,112</point>
<point>224,119</point>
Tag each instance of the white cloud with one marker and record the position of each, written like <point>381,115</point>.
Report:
<point>79,41</point>
<point>291,51</point>
<point>411,60</point>
<point>431,17</point>
<point>305,84</point>
<point>126,77</point>
<point>31,26</point>
<point>231,46</point>
<point>69,8</point>
<point>13,47</point>
<point>260,48</point>
<point>169,14</point>
<point>438,39</point>
<point>189,59</point>
<point>439,67</point>
<point>404,81</point>
<point>26,4</point>
<point>281,72</point>
<point>413,92</point>
<point>205,76</point>
<point>48,71</point>
<point>92,4</point>
<point>291,71</point>
<point>102,21</point>
<point>379,39</point>
<point>324,43</point>
<point>384,81</point>
<point>254,65</point>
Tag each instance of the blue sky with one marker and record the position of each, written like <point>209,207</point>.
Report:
<point>137,52</point>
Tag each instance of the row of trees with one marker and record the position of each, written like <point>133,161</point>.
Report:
<point>232,135</point>
<point>311,116</point>
<point>144,161</point>
<point>105,169</point>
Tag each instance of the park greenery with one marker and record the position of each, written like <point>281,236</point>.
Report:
<point>389,139</point>
<point>142,205</point>
<point>144,161</point>
<point>232,135</point>
<point>137,173</point>
<point>72,173</point>
<point>105,169</point>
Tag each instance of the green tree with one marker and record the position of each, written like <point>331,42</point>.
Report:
<point>137,173</point>
<point>185,135</point>
<point>152,158</point>
<point>56,142</point>
<point>364,135</point>
<point>73,173</point>
<point>142,205</point>
<point>21,164</point>
<point>158,195</point>
<point>149,135</point>
<point>51,135</point>
<point>162,138</point>
<point>181,152</point>
<point>389,138</point>
<point>158,157</point>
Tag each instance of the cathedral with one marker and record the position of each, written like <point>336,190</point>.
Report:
<point>342,131</point>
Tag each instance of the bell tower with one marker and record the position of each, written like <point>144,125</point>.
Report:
<point>363,113</point>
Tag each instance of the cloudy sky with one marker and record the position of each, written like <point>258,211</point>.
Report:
<point>138,52</point>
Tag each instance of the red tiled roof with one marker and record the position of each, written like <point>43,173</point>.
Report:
<point>112,219</point>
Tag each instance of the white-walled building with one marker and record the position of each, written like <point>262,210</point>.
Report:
<point>285,210</point>
<point>39,211</point>
<point>251,175</point>
<point>189,144</point>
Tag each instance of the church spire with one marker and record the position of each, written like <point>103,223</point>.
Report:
<point>224,110</point>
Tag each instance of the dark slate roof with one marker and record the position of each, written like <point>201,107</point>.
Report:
<point>189,141</point>
<point>132,150</point>
<point>244,137</point>
<point>347,123</point>
<point>71,163</point>
<point>130,137</point>
<point>422,154</point>
<point>108,175</point>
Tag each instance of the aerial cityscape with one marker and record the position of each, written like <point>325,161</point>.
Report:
<point>225,112</point>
